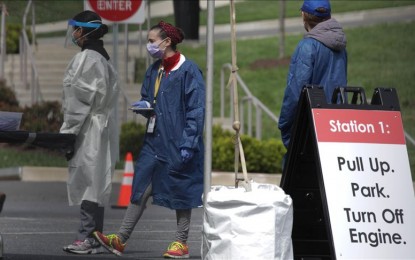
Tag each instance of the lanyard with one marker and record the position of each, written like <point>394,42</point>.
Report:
<point>157,84</point>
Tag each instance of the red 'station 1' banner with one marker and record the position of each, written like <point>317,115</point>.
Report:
<point>359,126</point>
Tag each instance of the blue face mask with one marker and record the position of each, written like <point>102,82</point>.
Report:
<point>154,50</point>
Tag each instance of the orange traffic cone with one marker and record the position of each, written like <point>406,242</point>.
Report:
<point>126,184</point>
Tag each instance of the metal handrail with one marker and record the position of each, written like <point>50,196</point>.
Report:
<point>248,99</point>
<point>26,53</point>
<point>251,100</point>
<point>126,102</point>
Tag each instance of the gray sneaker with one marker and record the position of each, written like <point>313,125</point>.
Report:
<point>88,246</point>
<point>72,246</point>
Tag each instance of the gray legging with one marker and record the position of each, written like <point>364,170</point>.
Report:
<point>92,219</point>
<point>135,211</point>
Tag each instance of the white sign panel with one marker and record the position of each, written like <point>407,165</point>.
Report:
<point>118,11</point>
<point>368,183</point>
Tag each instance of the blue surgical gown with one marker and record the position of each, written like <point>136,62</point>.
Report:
<point>180,112</point>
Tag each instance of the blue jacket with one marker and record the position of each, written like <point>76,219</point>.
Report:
<point>180,113</point>
<point>319,59</point>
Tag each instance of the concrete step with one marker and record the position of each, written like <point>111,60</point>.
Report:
<point>54,93</point>
<point>50,75</point>
<point>124,115</point>
<point>53,67</point>
<point>51,59</point>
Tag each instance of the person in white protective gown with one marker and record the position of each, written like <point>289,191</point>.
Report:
<point>90,95</point>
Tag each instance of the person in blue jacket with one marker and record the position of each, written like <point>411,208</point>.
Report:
<point>319,59</point>
<point>170,164</point>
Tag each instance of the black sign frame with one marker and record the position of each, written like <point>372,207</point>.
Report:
<point>302,176</point>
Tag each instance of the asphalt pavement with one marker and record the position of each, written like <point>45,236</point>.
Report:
<point>36,222</point>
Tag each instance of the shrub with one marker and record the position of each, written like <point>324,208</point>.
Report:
<point>131,138</point>
<point>261,156</point>
<point>42,117</point>
<point>223,154</point>
<point>140,70</point>
<point>8,100</point>
<point>272,152</point>
<point>12,37</point>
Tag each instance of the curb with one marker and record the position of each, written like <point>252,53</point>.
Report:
<point>13,173</point>
<point>43,174</point>
<point>59,174</point>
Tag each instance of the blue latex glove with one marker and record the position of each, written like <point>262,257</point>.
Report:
<point>187,154</point>
<point>140,104</point>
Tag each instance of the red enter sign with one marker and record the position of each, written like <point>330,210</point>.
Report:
<point>115,10</point>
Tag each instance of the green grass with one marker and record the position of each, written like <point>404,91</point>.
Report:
<point>18,155</point>
<point>379,56</point>
<point>252,10</point>
<point>21,155</point>
<point>248,10</point>
<point>45,11</point>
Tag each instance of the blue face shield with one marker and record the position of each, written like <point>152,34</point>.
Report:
<point>75,25</point>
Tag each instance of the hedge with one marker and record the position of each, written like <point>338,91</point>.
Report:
<point>261,156</point>
<point>13,32</point>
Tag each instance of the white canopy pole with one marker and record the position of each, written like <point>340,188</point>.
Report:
<point>209,97</point>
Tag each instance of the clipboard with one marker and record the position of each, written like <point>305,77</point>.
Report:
<point>141,109</point>
<point>144,111</point>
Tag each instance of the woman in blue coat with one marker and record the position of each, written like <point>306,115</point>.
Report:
<point>170,165</point>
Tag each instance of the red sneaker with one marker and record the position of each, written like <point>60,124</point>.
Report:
<point>177,250</point>
<point>111,242</point>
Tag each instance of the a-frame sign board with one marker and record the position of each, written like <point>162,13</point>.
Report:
<point>347,171</point>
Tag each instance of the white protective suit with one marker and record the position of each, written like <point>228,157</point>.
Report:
<point>90,96</point>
